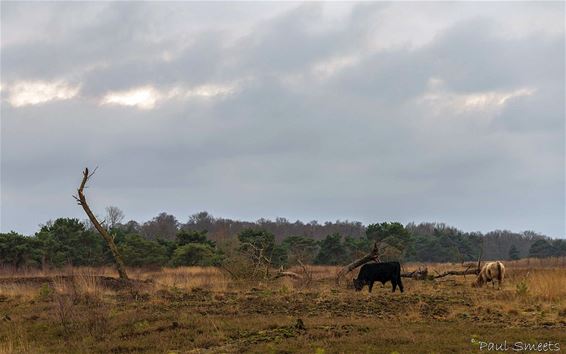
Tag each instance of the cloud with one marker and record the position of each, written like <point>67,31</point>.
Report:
<point>439,111</point>
<point>147,97</point>
<point>492,102</point>
<point>142,97</point>
<point>25,93</point>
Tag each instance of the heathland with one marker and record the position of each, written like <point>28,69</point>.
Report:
<point>208,310</point>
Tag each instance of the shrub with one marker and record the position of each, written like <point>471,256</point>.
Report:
<point>195,254</point>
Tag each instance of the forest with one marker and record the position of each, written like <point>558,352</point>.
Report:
<point>205,240</point>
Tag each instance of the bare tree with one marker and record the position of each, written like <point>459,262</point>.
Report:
<point>114,216</point>
<point>258,255</point>
<point>81,199</point>
<point>163,226</point>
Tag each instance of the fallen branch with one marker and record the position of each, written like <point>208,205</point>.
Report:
<point>372,256</point>
<point>305,278</point>
<point>419,274</point>
<point>293,275</point>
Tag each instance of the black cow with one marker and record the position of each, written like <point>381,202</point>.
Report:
<point>382,272</point>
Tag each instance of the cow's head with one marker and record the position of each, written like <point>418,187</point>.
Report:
<point>478,282</point>
<point>358,284</point>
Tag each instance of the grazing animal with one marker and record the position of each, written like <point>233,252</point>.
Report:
<point>489,272</point>
<point>382,272</point>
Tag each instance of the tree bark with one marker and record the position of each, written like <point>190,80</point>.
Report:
<point>81,199</point>
<point>372,256</point>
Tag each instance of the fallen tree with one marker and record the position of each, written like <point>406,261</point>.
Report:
<point>81,200</point>
<point>372,256</point>
<point>422,273</point>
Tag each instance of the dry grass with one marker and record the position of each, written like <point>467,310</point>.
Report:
<point>547,284</point>
<point>10,272</point>
<point>201,309</point>
<point>188,278</point>
<point>19,290</point>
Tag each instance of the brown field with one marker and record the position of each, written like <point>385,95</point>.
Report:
<point>202,310</point>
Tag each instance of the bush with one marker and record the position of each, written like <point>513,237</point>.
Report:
<point>138,251</point>
<point>195,254</point>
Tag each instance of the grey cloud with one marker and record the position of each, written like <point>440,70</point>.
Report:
<point>543,111</point>
<point>356,145</point>
<point>473,57</point>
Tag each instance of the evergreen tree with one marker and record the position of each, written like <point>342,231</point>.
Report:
<point>195,254</point>
<point>513,253</point>
<point>138,251</point>
<point>331,251</point>
<point>541,248</point>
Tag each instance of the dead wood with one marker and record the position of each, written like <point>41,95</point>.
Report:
<point>422,273</point>
<point>305,278</point>
<point>282,274</point>
<point>258,257</point>
<point>81,200</point>
<point>419,274</point>
<point>456,272</point>
<point>372,256</point>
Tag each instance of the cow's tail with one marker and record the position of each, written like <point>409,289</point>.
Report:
<point>500,271</point>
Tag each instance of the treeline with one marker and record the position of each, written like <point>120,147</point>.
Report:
<point>165,226</point>
<point>204,240</point>
<point>71,242</point>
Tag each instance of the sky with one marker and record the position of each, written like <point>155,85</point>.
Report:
<point>443,111</point>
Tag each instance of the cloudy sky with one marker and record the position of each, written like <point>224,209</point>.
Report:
<point>449,112</point>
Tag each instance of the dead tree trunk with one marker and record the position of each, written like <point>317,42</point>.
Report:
<point>372,256</point>
<point>419,274</point>
<point>81,199</point>
<point>422,274</point>
<point>468,271</point>
<point>282,273</point>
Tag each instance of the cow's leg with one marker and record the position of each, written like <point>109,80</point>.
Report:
<point>370,286</point>
<point>400,284</point>
<point>394,284</point>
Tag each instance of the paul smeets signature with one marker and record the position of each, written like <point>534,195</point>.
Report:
<point>517,346</point>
